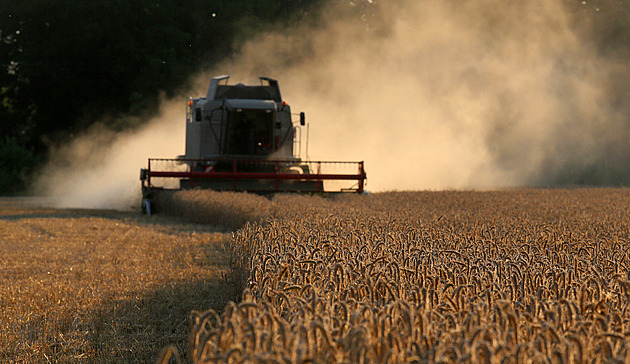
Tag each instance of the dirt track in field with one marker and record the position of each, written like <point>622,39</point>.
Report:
<point>102,286</point>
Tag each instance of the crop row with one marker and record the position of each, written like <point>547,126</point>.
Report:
<point>505,276</point>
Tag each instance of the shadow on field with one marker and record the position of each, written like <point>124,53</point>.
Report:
<point>51,214</point>
<point>18,211</point>
<point>166,223</point>
<point>133,329</point>
<point>131,292</point>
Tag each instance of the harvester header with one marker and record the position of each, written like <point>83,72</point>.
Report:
<point>243,138</point>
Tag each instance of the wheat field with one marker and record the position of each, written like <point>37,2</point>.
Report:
<point>88,286</point>
<point>515,276</point>
<point>510,276</point>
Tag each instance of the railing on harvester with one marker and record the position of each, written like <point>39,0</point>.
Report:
<point>261,176</point>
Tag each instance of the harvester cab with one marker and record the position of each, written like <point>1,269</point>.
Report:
<point>238,121</point>
<point>243,138</point>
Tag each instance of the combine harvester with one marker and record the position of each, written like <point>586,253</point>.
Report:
<point>243,138</point>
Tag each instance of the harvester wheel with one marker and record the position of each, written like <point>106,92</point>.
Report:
<point>146,206</point>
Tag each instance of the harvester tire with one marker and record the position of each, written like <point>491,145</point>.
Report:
<point>146,206</point>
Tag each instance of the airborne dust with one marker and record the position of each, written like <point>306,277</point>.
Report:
<point>430,94</point>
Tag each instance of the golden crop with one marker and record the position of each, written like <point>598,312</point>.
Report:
<point>508,276</point>
<point>223,210</point>
<point>90,286</point>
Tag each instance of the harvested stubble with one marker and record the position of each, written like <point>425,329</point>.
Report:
<point>509,276</point>
<point>102,287</point>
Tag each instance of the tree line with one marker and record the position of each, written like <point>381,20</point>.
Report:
<point>66,64</point>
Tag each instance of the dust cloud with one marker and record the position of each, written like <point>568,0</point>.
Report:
<point>430,94</point>
<point>101,168</point>
<point>453,94</point>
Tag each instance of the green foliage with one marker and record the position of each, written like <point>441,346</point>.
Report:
<point>67,64</point>
<point>84,59</point>
<point>16,165</point>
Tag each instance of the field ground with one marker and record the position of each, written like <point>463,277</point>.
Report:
<point>510,276</point>
<point>102,286</point>
<point>506,276</point>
